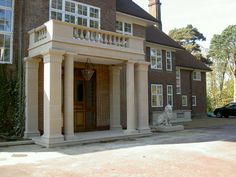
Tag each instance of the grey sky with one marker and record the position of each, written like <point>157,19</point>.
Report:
<point>209,16</point>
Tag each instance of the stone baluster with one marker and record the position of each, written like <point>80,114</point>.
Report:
<point>82,34</point>
<point>87,37</point>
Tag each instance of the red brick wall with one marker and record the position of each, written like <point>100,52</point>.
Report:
<point>199,90</point>
<point>139,31</point>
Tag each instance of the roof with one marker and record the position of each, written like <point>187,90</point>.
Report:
<point>131,8</point>
<point>186,59</point>
<point>154,35</point>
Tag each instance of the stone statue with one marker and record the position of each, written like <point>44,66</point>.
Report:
<point>164,118</point>
<point>163,124</point>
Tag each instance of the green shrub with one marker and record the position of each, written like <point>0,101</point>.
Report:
<point>11,108</point>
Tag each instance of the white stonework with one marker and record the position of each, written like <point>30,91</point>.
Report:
<point>31,99</point>
<point>131,116</point>
<point>141,90</point>
<point>115,97</point>
<point>69,97</point>
<point>52,97</point>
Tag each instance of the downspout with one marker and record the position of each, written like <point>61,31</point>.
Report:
<point>20,61</point>
<point>191,92</point>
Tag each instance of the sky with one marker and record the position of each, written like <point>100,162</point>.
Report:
<point>208,16</point>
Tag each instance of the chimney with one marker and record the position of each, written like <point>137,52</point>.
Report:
<point>155,11</point>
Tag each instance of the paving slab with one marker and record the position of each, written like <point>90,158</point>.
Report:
<point>195,152</point>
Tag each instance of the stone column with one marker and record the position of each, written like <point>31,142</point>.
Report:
<point>52,98</point>
<point>31,100</point>
<point>69,97</point>
<point>115,97</point>
<point>141,87</point>
<point>130,92</point>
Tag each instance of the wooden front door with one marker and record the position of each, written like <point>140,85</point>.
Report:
<point>84,102</point>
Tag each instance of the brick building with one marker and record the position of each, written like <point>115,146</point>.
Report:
<point>137,69</point>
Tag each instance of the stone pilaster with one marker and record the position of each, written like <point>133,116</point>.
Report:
<point>141,94</point>
<point>69,97</point>
<point>52,97</point>
<point>31,100</point>
<point>115,97</point>
<point>131,118</point>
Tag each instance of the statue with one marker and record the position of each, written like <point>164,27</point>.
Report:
<point>163,123</point>
<point>164,118</point>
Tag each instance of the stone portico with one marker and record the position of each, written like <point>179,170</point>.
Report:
<point>61,46</point>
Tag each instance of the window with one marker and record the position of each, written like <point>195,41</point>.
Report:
<point>6,31</point>
<point>197,75</point>
<point>156,59</point>
<point>168,61</point>
<point>157,95</point>
<point>170,95</point>
<point>75,12</point>
<point>124,28</point>
<point>194,101</point>
<point>178,82</point>
<point>184,100</point>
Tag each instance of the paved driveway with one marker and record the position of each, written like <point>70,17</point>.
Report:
<point>195,152</point>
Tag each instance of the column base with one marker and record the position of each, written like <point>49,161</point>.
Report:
<point>30,135</point>
<point>144,130</point>
<point>131,131</point>
<point>118,127</point>
<point>49,141</point>
<point>69,137</point>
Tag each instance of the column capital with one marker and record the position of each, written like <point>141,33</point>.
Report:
<point>131,62</point>
<point>32,59</point>
<point>32,63</point>
<point>53,56</point>
<point>115,67</point>
<point>142,66</point>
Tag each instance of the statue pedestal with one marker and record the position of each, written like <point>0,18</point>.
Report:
<point>168,128</point>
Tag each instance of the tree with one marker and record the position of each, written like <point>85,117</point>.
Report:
<point>221,82</point>
<point>229,35</point>
<point>188,38</point>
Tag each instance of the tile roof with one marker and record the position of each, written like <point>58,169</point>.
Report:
<point>183,57</point>
<point>154,35</point>
<point>187,60</point>
<point>131,8</point>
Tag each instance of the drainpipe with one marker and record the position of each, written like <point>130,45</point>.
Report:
<point>191,91</point>
<point>20,62</point>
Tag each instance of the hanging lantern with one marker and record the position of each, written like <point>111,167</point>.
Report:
<point>88,70</point>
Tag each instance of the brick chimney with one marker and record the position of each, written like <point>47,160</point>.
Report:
<point>155,11</point>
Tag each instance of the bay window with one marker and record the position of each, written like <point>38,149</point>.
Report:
<point>156,59</point>
<point>157,95</point>
<point>124,28</point>
<point>178,82</point>
<point>75,12</point>
<point>6,31</point>
<point>170,95</point>
<point>168,61</point>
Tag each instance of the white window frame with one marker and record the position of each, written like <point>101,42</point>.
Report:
<point>194,100</point>
<point>170,60</point>
<point>76,14</point>
<point>123,28</point>
<point>158,58</point>
<point>157,95</point>
<point>178,81</point>
<point>197,76</point>
<point>170,88</point>
<point>186,98</point>
<point>9,33</point>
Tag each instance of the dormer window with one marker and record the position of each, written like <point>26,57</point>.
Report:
<point>76,13</point>
<point>124,28</point>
